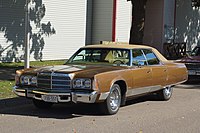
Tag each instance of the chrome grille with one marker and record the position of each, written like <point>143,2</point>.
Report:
<point>55,81</point>
<point>195,66</point>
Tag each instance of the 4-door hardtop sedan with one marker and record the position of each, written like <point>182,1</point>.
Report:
<point>104,74</point>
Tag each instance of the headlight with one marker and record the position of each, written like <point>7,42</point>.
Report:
<point>33,80</point>
<point>28,80</point>
<point>82,84</point>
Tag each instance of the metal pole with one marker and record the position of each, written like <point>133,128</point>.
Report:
<point>26,40</point>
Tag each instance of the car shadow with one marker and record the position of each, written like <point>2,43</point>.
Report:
<point>24,107</point>
<point>142,99</point>
<point>192,84</point>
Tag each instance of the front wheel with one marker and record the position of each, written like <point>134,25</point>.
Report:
<point>113,101</point>
<point>42,104</point>
<point>165,93</point>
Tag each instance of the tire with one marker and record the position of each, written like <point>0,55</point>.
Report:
<point>112,104</point>
<point>41,104</point>
<point>165,94</point>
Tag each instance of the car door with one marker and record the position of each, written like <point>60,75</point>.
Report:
<point>159,71</point>
<point>141,74</point>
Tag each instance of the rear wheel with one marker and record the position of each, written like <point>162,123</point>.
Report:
<point>41,104</point>
<point>166,93</point>
<point>113,101</point>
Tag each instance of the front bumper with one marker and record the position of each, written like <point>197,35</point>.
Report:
<point>60,96</point>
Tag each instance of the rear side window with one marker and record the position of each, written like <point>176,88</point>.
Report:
<point>151,57</point>
<point>138,58</point>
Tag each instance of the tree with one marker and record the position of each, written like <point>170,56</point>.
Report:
<point>138,19</point>
<point>13,28</point>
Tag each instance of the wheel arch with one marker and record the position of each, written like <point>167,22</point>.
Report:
<point>123,89</point>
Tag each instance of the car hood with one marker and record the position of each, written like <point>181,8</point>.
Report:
<point>190,59</point>
<point>78,70</point>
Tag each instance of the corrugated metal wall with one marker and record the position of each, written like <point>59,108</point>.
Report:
<point>123,22</point>
<point>68,17</point>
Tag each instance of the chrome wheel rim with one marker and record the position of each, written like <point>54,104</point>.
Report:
<point>114,99</point>
<point>168,91</point>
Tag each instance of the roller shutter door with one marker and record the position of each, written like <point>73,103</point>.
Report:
<point>123,20</point>
<point>68,18</point>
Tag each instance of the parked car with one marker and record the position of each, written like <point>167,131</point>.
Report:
<point>104,74</point>
<point>192,62</point>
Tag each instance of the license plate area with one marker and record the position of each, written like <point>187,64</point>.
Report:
<point>50,98</point>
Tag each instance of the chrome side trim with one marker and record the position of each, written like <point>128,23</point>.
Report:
<point>137,91</point>
<point>143,90</point>
<point>103,96</point>
<point>155,88</point>
<point>178,83</point>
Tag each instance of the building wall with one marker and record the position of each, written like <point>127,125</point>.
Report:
<point>89,19</point>
<point>123,20</point>
<point>11,30</point>
<point>65,27</point>
<point>60,33</point>
<point>187,24</point>
<point>69,21</point>
<point>169,14</point>
<point>153,29</point>
<point>102,20</point>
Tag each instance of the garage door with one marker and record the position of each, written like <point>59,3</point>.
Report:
<point>68,18</point>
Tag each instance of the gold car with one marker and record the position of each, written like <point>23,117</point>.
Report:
<point>104,74</point>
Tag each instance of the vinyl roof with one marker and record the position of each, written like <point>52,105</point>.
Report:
<point>126,46</point>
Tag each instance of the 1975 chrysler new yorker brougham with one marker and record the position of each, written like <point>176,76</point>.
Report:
<point>104,74</point>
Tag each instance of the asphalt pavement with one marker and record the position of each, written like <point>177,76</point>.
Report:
<point>181,114</point>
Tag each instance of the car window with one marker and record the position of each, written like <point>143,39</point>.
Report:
<point>102,55</point>
<point>151,57</point>
<point>138,58</point>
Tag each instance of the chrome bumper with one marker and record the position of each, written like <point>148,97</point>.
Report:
<point>61,97</point>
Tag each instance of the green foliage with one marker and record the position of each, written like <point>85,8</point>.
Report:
<point>6,89</point>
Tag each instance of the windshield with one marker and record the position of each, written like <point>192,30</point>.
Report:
<point>196,52</point>
<point>101,56</point>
